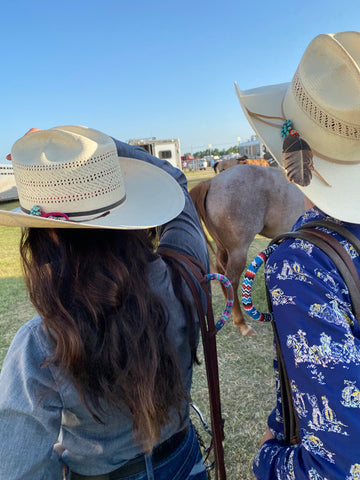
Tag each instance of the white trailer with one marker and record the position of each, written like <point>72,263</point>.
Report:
<point>8,190</point>
<point>164,149</point>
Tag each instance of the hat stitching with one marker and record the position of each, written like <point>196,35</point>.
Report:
<point>73,197</point>
<point>68,181</point>
<point>314,111</point>
<point>42,185</point>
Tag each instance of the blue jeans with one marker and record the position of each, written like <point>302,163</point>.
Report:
<point>185,463</point>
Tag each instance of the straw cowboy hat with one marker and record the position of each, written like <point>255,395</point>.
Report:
<point>72,177</point>
<point>323,105</point>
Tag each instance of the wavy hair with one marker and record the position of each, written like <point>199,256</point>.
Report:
<point>109,329</point>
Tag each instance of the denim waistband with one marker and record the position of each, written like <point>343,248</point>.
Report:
<point>137,465</point>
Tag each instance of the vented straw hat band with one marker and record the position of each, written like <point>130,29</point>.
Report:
<point>264,119</point>
<point>319,116</point>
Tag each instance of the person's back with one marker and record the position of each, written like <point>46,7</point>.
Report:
<point>311,127</point>
<point>106,366</point>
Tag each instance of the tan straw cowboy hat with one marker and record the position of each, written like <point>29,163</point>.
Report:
<point>72,177</point>
<point>323,105</point>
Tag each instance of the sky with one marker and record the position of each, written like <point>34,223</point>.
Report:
<point>164,69</point>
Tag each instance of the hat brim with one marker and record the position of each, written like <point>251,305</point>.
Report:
<point>153,197</point>
<point>342,197</point>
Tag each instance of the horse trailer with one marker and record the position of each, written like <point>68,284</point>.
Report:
<point>8,190</point>
<point>164,149</point>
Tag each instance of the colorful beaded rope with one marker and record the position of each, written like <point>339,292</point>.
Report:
<point>230,297</point>
<point>246,289</point>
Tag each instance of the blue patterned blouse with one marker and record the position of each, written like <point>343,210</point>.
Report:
<point>320,341</point>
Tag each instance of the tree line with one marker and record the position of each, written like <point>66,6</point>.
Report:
<point>215,152</point>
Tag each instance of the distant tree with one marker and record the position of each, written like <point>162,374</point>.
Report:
<point>216,151</point>
<point>233,149</point>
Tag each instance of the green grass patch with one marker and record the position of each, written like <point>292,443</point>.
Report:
<point>15,308</point>
<point>195,177</point>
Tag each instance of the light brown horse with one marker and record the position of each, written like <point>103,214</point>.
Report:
<point>227,163</point>
<point>222,165</point>
<point>238,204</point>
<point>255,161</point>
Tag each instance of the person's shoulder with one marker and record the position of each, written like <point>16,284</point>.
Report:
<point>309,216</point>
<point>32,335</point>
<point>293,247</point>
<point>31,327</point>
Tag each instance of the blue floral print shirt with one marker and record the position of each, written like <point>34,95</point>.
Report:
<point>320,342</point>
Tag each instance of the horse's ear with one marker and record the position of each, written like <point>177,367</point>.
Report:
<point>298,160</point>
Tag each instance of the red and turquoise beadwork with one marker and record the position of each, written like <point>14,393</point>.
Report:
<point>230,297</point>
<point>246,289</point>
<point>288,129</point>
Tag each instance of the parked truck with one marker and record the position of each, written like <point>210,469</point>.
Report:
<point>164,149</point>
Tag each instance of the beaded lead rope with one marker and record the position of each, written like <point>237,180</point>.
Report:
<point>246,289</point>
<point>230,297</point>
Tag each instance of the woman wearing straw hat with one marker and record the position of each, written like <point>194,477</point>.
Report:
<point>105,367</point>
<point>311,126</point>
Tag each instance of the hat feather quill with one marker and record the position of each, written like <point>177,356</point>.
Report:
<point>297,160</point>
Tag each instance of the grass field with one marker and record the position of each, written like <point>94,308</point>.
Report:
<point>245,364</point>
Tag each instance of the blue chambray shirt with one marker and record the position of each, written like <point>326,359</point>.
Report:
<point>320,342</point>
<point>39,406</point>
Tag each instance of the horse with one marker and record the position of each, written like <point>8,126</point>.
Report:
<point>238,204</point>
<point>227,163</point>
<point>255,161</point>
<point>222,165</point>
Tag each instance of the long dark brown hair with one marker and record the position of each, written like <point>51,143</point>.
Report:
<point>91,289</point>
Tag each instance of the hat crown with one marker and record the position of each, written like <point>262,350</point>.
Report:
<point>330,75</point>
<point>72,169</point>
<point>323,99</point>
